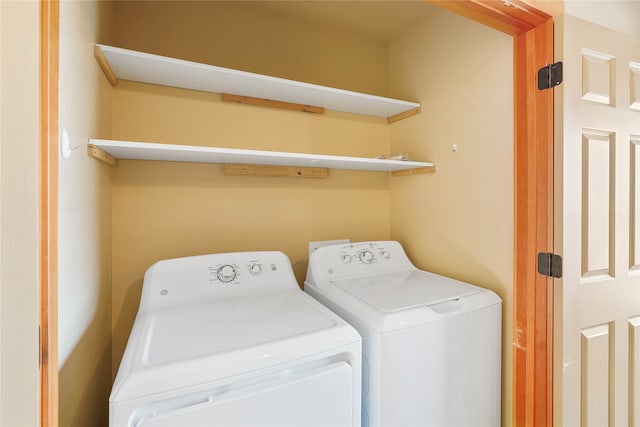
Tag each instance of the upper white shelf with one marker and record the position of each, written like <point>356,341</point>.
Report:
<point>187,153</point>
<point>147,68</point>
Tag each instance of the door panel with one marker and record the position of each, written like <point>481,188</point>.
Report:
<point>596,367</point>
<point>634,371</point>
<point>634,205</point>
<point>599,182</point>
<point>598,201</point>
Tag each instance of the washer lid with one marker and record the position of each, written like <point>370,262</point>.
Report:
<point>393,292</point>
<point>176,348</point>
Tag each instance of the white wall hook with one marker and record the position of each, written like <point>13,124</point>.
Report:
<point>65,145</point>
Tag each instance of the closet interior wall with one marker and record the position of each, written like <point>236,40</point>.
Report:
<point>84,219</point>
<point>458,222</point>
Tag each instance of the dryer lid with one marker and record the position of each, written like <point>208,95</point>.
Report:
<point>229,325</point>
<point>393,292</point>
<point>177,348</point>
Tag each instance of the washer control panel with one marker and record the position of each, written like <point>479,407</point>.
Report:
<point>367,254</point>
<point>357,259</point>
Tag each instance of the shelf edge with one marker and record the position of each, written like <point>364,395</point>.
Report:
<point>185,153</point>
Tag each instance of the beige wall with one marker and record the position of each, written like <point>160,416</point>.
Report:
<point>165,210</point>
<point>458,222</point>
<point>84,282</point>
<point>19,67</point>
<point>247,36</point>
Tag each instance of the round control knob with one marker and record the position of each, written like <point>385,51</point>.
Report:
<point>255,269</point>
<point>366,257</point>
<point>226,273</point>
<point>346,259</point>
<point>385,255</point>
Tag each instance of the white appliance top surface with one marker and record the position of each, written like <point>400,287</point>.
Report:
<point>375,284</point>
<point>211,317</point>
<point>397,291</point>
<point>230,325</point>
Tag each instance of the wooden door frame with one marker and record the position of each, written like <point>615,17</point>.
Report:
<point>533,203</point>
<point>49,59</point>
<point>532,32</point>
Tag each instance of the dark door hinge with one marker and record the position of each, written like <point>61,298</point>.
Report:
<point>550,76</point>
<point>550,264</point>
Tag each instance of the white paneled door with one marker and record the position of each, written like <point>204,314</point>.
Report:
<point>597,215</point>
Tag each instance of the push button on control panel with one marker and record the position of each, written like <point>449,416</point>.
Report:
<point>255,269</point>
<point>346,259</point>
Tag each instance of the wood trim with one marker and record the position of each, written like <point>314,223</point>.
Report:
<point>104,65</point>
<point>236,169</point>
<point>99,154</point>
<point>404,115</point>
<point>509,16</point>
<point>533,293</point>
<point>49,57</point>
<point>239,99</point>
<point>416,171</point>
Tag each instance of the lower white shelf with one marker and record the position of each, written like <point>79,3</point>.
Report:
<point>187,153</point>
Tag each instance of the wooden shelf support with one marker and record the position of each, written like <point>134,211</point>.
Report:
<point>404,115</point>
<point>104,65</point>
<point>235,169</point>
<point>239,99</point>
<point>416,171</point>
<point>100,154</point>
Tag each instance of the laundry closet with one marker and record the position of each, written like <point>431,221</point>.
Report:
<point>115,221</point>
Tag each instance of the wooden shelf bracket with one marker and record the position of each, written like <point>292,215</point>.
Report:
<point>415,171</point>
<point>104,65</point>
<point>234,169</point>
<point>100,154</point>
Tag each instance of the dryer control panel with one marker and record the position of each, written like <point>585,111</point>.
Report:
<point>234,271</point>
<point>357,259</point>
<point>202,278</point>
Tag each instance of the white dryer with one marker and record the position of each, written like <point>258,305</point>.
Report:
<point>431,345</point>
<point>231,340</point>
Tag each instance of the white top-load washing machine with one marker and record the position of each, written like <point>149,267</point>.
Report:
<point>431,345</point>
<point>231,340</point>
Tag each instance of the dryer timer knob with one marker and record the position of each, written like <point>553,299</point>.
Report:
<point>226,273</point>
<point>366,257</point>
